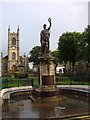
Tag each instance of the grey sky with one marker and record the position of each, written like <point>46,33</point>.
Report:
<point>30,16</point>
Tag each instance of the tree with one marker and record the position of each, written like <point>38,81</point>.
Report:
<point>81,48</point>
<point>86,34</point>
<point>56,56</point>
<point>34,54</point>
<point>68,47</point>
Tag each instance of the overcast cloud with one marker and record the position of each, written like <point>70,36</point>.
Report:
<point>30,16</point>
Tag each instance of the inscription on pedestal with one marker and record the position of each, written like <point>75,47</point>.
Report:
<point>48,80</point>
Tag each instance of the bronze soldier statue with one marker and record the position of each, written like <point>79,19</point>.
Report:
<point>44,38</point>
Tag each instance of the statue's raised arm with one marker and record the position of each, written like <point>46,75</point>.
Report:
<point>44,37</point>
<point>49,19</point>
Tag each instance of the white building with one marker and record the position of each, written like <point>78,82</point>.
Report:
<point>60,69</point>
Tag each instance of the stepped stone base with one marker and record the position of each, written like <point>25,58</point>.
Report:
<point>46,95</point>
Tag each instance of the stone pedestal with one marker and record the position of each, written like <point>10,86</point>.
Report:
<point>47,87</point>
<point>47,72</point>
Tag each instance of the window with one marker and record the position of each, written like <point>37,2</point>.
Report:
<point>14,41</point>
<point>13,56</point>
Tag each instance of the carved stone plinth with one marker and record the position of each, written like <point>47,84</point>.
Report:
<point>47,85</point>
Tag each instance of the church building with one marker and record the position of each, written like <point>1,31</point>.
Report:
<point>13,62</point>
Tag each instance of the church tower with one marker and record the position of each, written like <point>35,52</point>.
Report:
<point>13,50</point>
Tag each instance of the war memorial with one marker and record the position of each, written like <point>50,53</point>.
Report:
<point>47,101</point>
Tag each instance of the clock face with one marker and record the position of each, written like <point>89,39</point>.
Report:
<point>13,47</point>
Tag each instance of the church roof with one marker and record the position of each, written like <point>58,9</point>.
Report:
<point>6,57</point>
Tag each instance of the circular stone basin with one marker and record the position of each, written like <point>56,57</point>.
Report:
<point>69,104</point>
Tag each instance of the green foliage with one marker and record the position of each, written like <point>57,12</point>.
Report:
<point>12,76</point>
<point>84,46</point>
<point>67,46</point>
<point>55,53</point>
<point>81,48</point>
<point>35,80</point>
<point>74,46</point>
<point>62,80</point>
<point>34,54</point>
<point>10,82</point>
<point>87,43</point>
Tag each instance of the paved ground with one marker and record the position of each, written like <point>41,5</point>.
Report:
<point>74,86</point>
